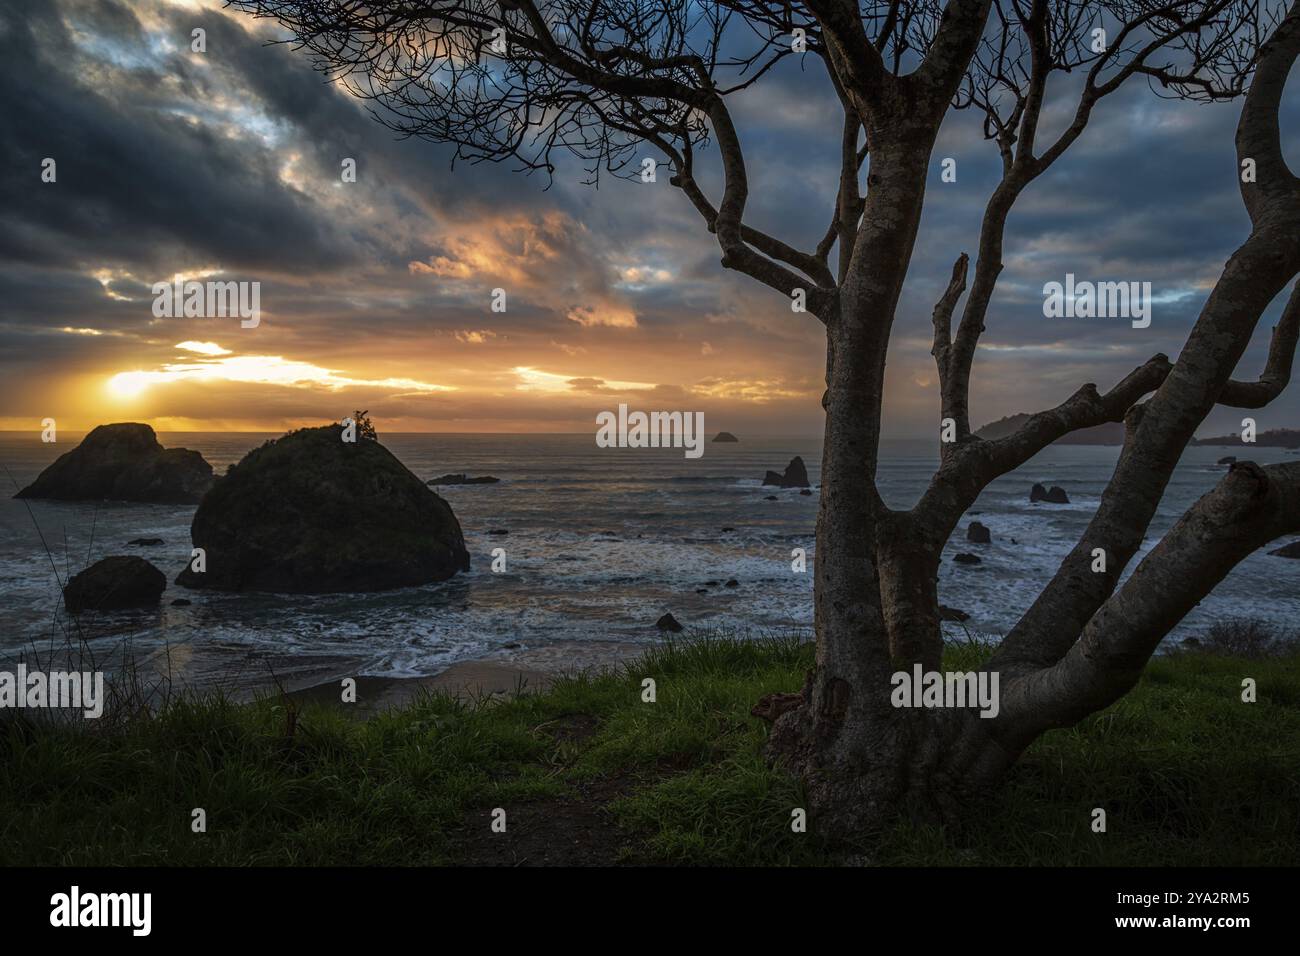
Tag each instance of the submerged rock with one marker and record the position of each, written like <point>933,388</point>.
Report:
<point>124,462</point>
<point>795,476</point>
<point>311,514</point>
<point>967,559</point>
<point>115,582</point>
<point>462,480</point>
<point>145,542</point>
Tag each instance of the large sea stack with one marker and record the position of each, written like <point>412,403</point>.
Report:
<point>124,462</point>
<point>311,514</point>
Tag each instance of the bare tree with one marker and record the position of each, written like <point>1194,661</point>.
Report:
<point>604,80</point>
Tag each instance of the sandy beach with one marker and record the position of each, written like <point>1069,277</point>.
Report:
<point>524,670</point>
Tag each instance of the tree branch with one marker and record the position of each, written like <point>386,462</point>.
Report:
<point>1277,368</point>
<point>969,466</point>
<point>942,318</point>
<point>736,253</point>
<point>1016,138</point>
<point>857,62</point>
<point>1252,278</point>
<point>949,56</point>
<point>1249,507</point>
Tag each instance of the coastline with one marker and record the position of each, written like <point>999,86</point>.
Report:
<point>501,674</point>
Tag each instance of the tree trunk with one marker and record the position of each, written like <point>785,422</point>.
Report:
<point>907,558</point>
<point>843,741</point>
<point>875,602</point>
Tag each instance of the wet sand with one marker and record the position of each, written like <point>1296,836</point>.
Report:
<point>469,680</point>
<point>526,670</point>
<point>208,666</point>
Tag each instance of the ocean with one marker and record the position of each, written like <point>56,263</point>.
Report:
<point>600,543</point>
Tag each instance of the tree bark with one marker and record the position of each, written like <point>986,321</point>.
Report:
<point>857,754</point>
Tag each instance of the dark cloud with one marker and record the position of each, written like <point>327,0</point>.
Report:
<point>170,160</point>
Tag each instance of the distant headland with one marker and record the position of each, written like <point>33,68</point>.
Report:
<point>1112,433</point>
<point>1273,438</point>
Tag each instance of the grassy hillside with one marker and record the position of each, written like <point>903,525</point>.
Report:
<point>588,773</point>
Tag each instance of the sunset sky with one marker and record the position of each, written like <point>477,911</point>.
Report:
<point>377,294</point>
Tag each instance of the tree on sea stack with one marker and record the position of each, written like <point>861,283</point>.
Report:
<point>365,427</point>
<point>623,85</point>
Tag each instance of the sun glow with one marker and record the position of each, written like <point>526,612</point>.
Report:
<point>257,369</point>
<point>128,384</point>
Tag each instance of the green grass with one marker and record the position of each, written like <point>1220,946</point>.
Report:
<point>1186,772</point>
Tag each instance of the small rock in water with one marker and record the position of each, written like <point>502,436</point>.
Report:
<point>1226,460</point>
<point>668,623</point>
<point>726,436</point>
<point>966,559</point>
<point>1291,550</point>
<point>181,602</point>
<point>952,614</point>
<point>725,530</point>
<point>513,645</point>
<point>462,480</point>
<point>115,582</point>
<point>795,476</point>
<point>1056,495</point>
<point>771,498</point>
<point>733,583</point>
<point>145,542</point>
<point>977,533</point>
<point>499,531</point>
<point>805,492</point>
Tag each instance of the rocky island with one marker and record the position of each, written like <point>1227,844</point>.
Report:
<point>124,462</point>
<point>309,513</point>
